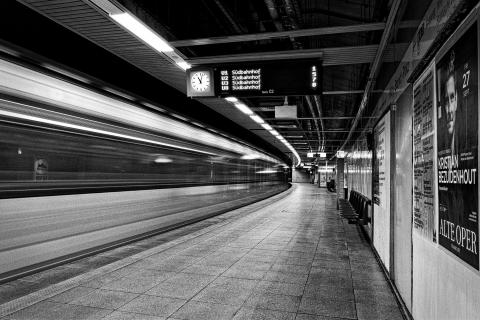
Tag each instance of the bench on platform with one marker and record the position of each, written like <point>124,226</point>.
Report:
<point>355,209</point>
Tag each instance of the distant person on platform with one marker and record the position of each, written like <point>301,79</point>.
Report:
<point>331,185</point>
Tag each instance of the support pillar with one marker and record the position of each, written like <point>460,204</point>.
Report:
<point>339,180</point>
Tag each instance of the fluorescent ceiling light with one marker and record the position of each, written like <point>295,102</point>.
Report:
<point>266,126</point>
<point>139,29</point>
<point>257,119</point>
<point>163,160</point>
<point>275,132</point>
<point>267,171</point>
<point>231,99</point>
<point>242,107</point>
<point>184,65</point>
<point>249,157</point>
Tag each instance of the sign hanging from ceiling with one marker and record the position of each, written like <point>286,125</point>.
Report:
<point>200,82</point>
<point>285,112</point>
<point>276,78</point>
<point>318,154</point>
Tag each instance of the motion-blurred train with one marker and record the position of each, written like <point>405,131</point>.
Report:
<point>81,171</point>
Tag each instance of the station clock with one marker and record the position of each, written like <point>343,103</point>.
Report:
<point>200,82</point>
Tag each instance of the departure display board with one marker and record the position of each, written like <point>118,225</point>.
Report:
<point>269,78</point>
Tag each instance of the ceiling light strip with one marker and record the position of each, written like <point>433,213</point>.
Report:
<point>142,31</point>
<point>255,117</point>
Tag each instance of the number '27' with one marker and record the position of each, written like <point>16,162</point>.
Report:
<point>466,79</point>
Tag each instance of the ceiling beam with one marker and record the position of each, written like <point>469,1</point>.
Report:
<point>280,34</point>
<point>317,118</point>
<point>311,140</point>
<point>375,66</point>
<point>307,149</point>
<point>326,131</point>
<point>342,92</point>
<point>330,56</point>
<point>297,131</point>
<point>363,27</point>
<point>332,13</point>
<point>285,133</point>
<point>259,56</point>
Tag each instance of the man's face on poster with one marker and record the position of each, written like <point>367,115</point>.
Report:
<point>451,106</point>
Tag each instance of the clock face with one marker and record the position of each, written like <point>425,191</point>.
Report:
<point>200,81</point>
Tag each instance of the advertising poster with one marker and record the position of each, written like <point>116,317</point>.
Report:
<point>40,168</point>
<point>379,167</point>
<point>423,147</point>
<point>457,140</point>
<point>381,188</point>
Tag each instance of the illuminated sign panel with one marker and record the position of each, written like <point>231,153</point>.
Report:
<point>319,154</point>
<point>285,112</point>
<point>269,78</point>
<point>341,154</point>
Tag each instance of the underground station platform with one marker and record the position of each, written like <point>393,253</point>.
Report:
<point>291,256</point>
<point>239,159</point>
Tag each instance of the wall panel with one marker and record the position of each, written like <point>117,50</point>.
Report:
<point>381,189</point>
<point>447,285</point>
<point>402,215</point>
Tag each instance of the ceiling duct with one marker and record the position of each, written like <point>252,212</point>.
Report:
<point>319,135</point>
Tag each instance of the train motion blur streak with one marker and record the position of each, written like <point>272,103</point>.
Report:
<point>81,170</point>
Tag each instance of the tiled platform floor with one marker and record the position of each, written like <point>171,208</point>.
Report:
<point>287,257</point>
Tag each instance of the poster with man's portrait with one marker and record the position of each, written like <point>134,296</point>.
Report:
<point>457,141</point>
